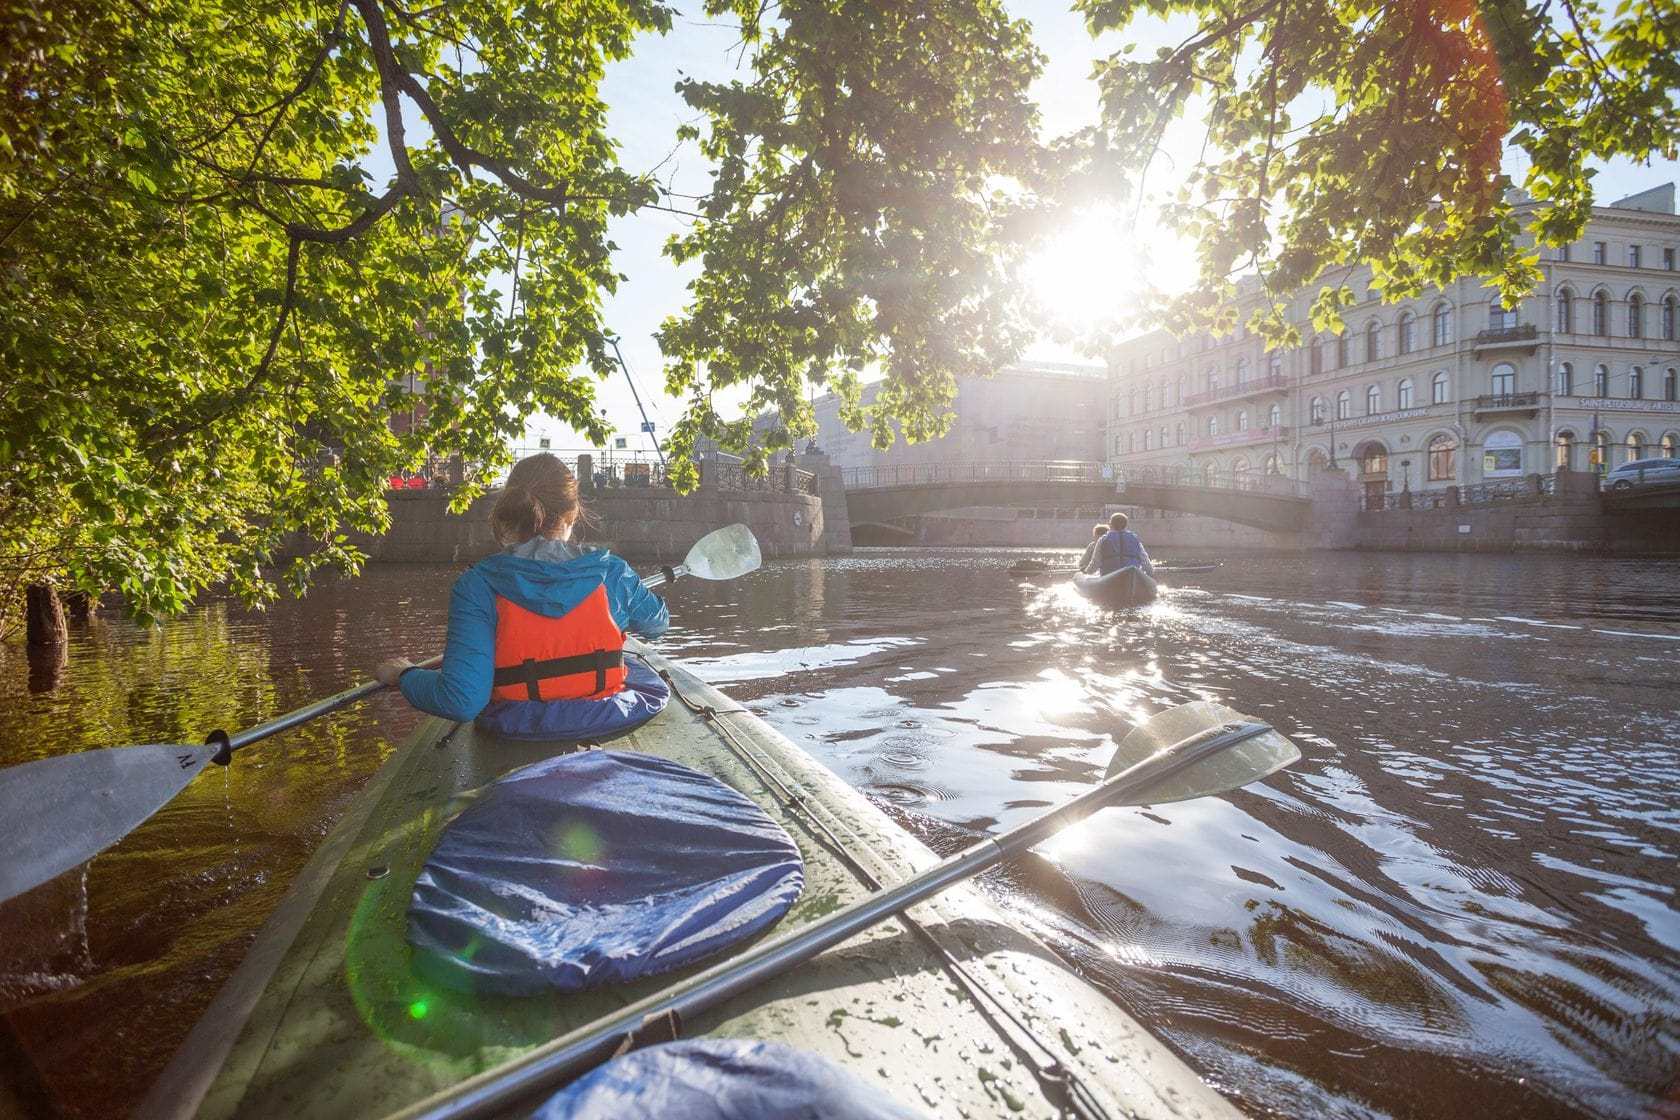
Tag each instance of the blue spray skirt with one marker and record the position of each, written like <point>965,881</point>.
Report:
<point>597,868</point>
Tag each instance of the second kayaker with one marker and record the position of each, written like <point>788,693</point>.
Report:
<point>1088,562</point>
<point>535,645</point>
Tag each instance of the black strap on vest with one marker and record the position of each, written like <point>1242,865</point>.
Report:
<point>532,672</point>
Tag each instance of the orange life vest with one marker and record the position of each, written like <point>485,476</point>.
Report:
<point>578,656</point>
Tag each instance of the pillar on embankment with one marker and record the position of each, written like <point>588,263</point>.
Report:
<point>831,490</point>
<point>1335,510</point>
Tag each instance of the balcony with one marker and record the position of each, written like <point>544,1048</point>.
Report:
<point>1271,383</point>
<point>1527,404</point>
<point>1523,336</point>
<point>1245,438</point>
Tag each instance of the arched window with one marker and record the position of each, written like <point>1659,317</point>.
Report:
<point>1208,474</point>
<point>1440,325</point>
<point>1342,350</point>
<point>1317,460</point>
<point>1163,443</point>
<point>1212,380</point>
<point>1636,384</point>
<point>1503,381</point>
<point>1634,448</point>
<point>1272,466</point>
<point>1566,380</point>
<point>1443,458</point>
<point>1373,342</point>
<point>1671,384</point>
<point>1274,417</point>
<point>1564,455</point>
<point>1373,400</point>
<point>1213,425</point>
<point>1500,317</point>
<point>1438,388</point>
<point>1242,371</point>
<point>1131,442</point>
<point>1403,395</point>
<point>1178,434</point>
<point>1408,332</point>
<point>1670,446</point>
<point>1668,316</point>
<point>1344,405</point>
<point>1148,440</point>
<point>1131,402</point>
<point>1178,393</point>
<point>1373,460</point>
<point>1315,411</point>
<point>1601,381</point>
<point>1501,455</point>
<point>1315,352</point>
<point>1600,451</point>
<point>1565,311</point>
<point>1636,315</point>
<point>1274,366</point>
<point>1146,398</point>
<point>1600,313</point>
<point>1242,420</point>
<point>1240,466</point>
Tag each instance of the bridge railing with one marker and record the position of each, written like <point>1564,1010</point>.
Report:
<point>927,474</point>
<point>1246,482</point>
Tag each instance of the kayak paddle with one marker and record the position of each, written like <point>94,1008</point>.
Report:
<point>57,813</point>
<point>1190,751</point>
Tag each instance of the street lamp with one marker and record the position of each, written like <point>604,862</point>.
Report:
<point>1318,422</point>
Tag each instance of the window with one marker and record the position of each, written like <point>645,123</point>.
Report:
<point>1373,342</point>
<point>1601,381</point>
<point>1148,440</point>
<point>1503,382</point>
<point>1403,395</point>
<point>1563,457</point>
<point>1242,420</point>
<point>1131,402</point>
<point>1668,315</point>
<point>1178,434</point>
<point>1634,254</point>
<point>1501,455</point>
<point>1163,443</point>
<point>1315,411</point>
<point>1408,332</point>
<point>1634,448</point>
<point>1344,405</point>
<point>1272,466</point>
<point>1601,314</point>
<point>1601,252</point>
<point>1207,474</point>
<point>1213,425</point>
<point>1146,398</point>
<point>1274,366</point>
<point>1636,316</point>
<point>1500,317</point>
<point>1274,417</point>
<point>1242,371</point>
<point>1563,252</point>
<point>1212,380</point>
<point>1438,388</point>
<point>1443,459</point>
<point>1670,447</point>
<point>1565,311</point>
<point>1315,353</point>
<point>1240,467</point>
<point>1566,380</point>
<point>1670,388</point>
<point>1374,461</point>
<point>1636,384</point>
<point>1440,325</point>
<point>1131,442</point>
<point>1668,259</point>
<point>1373,400</point>
<point>1600,451</point>
<point>1342,350</point>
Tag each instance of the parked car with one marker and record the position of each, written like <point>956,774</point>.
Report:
<point>1643,472</point>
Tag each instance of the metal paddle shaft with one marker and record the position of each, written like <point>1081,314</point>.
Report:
<point>493,1092</point>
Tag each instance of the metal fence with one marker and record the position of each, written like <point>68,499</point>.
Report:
<point>1247,482</point>
<point>927,474</point>
<point>1462,497</point>
<point>616,469</point>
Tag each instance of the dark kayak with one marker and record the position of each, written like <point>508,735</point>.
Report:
<point>1125,587</point>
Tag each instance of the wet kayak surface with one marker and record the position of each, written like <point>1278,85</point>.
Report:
<point>1460,902</point>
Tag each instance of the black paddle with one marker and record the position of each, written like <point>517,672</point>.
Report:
<point>1190,751</point>
<point>57,813</point>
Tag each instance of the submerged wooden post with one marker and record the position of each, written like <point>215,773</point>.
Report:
<point>45,616</point>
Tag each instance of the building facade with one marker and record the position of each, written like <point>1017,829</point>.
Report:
<point>1446,389</point>
<point>1026,412</point>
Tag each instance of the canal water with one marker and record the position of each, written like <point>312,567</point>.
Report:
<point>1461,902</point>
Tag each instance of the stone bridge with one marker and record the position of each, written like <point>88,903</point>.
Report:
<point>1262,501</point>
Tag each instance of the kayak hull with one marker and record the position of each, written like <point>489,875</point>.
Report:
<point>1124,587</point>
<point>326,1018</point>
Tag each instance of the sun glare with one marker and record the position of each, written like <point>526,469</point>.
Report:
<point>1098,269</point>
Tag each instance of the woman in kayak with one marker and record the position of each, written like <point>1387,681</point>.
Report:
<point>535,647</point>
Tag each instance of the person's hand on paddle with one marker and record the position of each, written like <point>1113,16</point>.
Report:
<point>387,671</point>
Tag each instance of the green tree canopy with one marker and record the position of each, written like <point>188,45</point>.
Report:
<point>212,305</point>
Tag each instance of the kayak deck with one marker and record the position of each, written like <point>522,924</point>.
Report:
<point>326,1019</point>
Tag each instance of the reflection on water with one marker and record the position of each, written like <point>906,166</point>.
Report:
<point>1460,902</point>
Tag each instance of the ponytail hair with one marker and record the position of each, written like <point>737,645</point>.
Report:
<point>541,496</point>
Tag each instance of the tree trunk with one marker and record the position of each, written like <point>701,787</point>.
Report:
<point>79,606</point>
<point>45,626</point>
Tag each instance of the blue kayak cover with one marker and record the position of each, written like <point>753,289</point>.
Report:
<point>721,1079</point>
<point>643,696</point>
<point>596,868</point>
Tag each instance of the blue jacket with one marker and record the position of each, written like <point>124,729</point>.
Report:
<point>1121,548</point>
<point>548,577</point>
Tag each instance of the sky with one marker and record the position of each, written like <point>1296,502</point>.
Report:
<point>1090,267</point>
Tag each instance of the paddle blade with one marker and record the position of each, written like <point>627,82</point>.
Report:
<point>1246,762</point>
<point>724,554</point>
<point>61,812</point>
